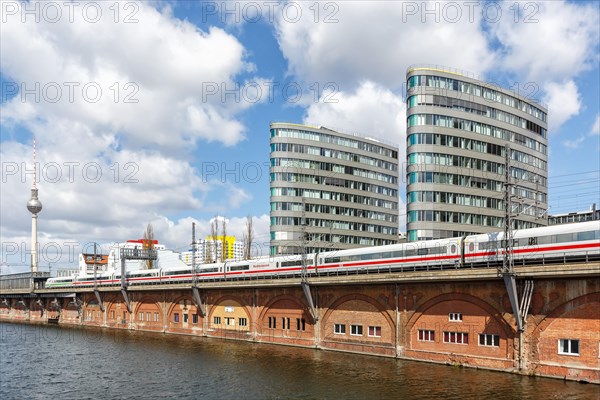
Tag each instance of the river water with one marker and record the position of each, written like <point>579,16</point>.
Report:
<point>52,362</point>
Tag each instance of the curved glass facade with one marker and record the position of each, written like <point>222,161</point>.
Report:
<point>342,188</point>
<point>458,130</point>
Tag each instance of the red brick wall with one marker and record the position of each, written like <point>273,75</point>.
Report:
<point>560,309</point>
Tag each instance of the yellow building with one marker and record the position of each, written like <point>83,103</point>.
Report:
<point>230,246</point>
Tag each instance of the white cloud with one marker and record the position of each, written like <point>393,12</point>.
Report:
<point>377,41</point>
<point>161,63</point>
<point>596,126</point>
<point>574,144</point>
<point>564,102</point>
<point>551,40</point>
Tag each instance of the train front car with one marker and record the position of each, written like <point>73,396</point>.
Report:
<point>59,282</point>
<point>550,244</point>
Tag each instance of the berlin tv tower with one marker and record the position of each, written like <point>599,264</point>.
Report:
<point>34,206</point>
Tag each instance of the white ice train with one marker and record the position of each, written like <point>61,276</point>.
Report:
<point>560,243</point>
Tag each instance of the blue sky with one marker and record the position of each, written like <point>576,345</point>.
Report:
<point>149,112</point>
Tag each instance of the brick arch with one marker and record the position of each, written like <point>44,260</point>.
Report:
<point>238,300</point>
<point>111,301</point>
<point>142,301</point>
<point>174,303</point>
<point>491,311</point>
<point>561,311</point>
<point>89,303</point>
<point>575,319</point>
<point>360,297</point>
<point>277,299</point>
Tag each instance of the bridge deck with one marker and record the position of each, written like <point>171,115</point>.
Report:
<point>357,277</point>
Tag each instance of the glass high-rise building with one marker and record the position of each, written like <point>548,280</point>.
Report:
<point>458,130</point>
<point>340,189</point>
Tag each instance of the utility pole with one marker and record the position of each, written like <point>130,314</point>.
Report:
<point>304,272</point>
<point>195,291</point>
<point>194,252</point>
<point>507,263</point>
<point>508,273</point>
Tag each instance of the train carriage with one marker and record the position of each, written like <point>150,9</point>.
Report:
<point>397,257</point>
<point>578,242</point>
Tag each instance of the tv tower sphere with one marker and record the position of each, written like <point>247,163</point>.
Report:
<point>34,205</point>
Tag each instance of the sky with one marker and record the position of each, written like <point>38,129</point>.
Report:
<point>159,112</point>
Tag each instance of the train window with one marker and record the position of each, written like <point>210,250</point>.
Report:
<point>439,250</point>
<point>544,239</point>
<point>422,252</point>
<point>565,237</point>
<point>453,249</point>
<point>586,235</point>
<point>291,263</point>
<point>532,241</point>
<point>488,245</point>
<point>239,267</point>
<point>471,247</point>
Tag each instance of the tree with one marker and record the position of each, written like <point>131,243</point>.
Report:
<point>148,244</point>
<point>248,238</point>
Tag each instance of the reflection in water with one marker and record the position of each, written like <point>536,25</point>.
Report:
<point>41,362</point>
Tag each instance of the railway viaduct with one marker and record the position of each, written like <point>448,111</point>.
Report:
<point>452,316</point>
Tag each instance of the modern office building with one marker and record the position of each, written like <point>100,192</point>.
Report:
<point>340,189</point>
<point>458,130</point>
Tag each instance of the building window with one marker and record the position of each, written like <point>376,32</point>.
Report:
<point>217,320</point>
<point>356,330</point>
<point>272,322</point>
<point>242,321</point>
<point>426,335</point>
<point>185,318</point>
<point>112,314</point>
<point>568,347</point>
<point>453,316</point>
<point>230,321</point>
<point>339,329</point>
<point>375,331</point>
<point>155,317</point>
<point>176,317</point>
<point>300,324</point>
<point>285,323</point>
<point>486,339</point>
<point>194,318</point>
<point>141,316</point>
<point>456,337</point>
